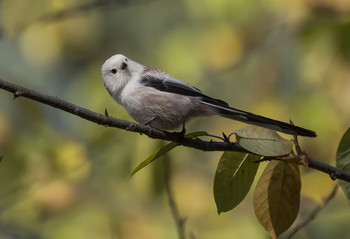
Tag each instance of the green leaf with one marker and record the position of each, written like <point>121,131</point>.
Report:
<point>163,151</point>
<point>154,156</point>
<point>263,141</point>
<point>343,160</point>
<point>277,197</point>
<point>234,176</point>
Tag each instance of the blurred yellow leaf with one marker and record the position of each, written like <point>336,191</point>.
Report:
<point>47,39</point>
<point>223,45</point>
<point>71,159</point>
<point>316,194</point>
<point>55,195</point>
<point>58,5</point>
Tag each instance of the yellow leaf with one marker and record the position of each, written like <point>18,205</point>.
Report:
<point>224,47</point>
<point>277,197</point>
<point>291,158</point>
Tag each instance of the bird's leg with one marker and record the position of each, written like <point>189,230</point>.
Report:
<point>148,123</point>
<point>183,131</point>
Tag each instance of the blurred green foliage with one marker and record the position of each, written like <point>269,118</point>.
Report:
<point>63,177</point>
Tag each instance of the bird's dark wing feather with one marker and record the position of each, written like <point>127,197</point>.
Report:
<point>166,83</point>
<point>172,85</point>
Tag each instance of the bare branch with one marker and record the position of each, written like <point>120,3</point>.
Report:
<point>109,121</point>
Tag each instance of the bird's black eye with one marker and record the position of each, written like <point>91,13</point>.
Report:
<point>124,65</point>
<point>114,71</point>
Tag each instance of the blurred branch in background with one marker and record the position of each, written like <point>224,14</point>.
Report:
<point>179,220</point>
<point>314,213</point>
<point>106,120</point>
<point>70,12</point>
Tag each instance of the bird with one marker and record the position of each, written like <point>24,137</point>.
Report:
<point>159,100</point>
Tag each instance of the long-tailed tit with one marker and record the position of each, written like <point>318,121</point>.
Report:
<point>155,98</point>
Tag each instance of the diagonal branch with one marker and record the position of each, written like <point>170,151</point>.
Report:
<point>109,121</point>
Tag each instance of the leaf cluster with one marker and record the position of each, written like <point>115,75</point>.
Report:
<point>276,197</point>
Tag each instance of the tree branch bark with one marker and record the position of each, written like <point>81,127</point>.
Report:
<point>109,121</point>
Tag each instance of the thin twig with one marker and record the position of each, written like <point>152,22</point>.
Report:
<point>314,213</point>
<point>215,136</point>
<point>179,221</point>
<point>109,121</point>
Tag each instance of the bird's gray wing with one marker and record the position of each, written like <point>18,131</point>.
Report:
<point>167,83</point>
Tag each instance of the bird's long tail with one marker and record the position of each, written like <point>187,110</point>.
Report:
<point>262,121</point>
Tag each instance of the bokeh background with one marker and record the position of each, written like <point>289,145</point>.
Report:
<point>64,177</point>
